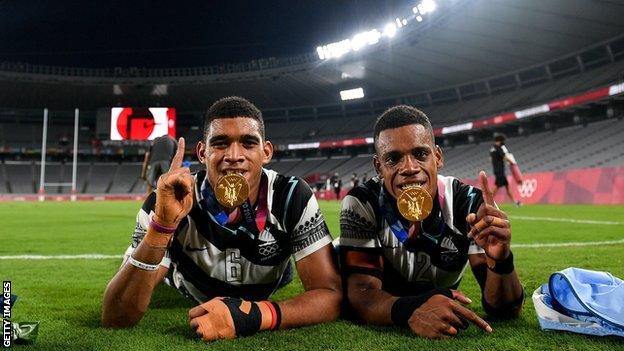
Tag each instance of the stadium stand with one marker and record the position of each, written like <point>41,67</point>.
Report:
<point>126,178</point>
<point>449,113</point>
<point>3,180</point>
<point>597,144</point>
<point>20,178</point>
<point>101,178</point>
<point>591,142</point>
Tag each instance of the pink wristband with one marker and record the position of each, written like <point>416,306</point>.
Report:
<point>162,229</point>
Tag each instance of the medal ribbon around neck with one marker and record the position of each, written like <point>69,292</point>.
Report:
<point>387,210</point>
<point>254,221</point>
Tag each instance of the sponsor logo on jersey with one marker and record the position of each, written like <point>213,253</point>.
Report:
<point>448,244</point>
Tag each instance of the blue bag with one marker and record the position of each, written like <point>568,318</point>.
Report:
<point>581,301</point>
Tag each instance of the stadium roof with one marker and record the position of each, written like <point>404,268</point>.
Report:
<point>103,33</point>
<point>463,41</point>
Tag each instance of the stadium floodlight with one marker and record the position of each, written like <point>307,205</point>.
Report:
<point>390,30</point>
<point>320,52</point>
<point>426,6</point>
<point>332,50</point>
<point>365,38</point>
<point>352,94</point>
<point>373,36</point>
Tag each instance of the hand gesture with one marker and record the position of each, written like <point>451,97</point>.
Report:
<point>440,317</point>
<point>212,320</point>
<point>229,317</point>
<point>174,192</point>
<point>489,227</point>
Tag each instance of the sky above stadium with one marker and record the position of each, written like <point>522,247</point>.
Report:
<point>178,33</point>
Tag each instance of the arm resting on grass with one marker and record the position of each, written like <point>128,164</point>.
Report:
<point>502,293</point>
<point>129,292</point>
<point>369,301</point>
<point>323,293</point>
<point>435,314</point>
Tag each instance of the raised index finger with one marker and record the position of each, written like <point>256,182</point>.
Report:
<point>176,161</point>
<point>485,188</point>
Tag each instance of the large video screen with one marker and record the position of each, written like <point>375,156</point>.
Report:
<point>147,123</point>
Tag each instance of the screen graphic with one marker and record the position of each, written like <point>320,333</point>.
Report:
<point>131,123</point>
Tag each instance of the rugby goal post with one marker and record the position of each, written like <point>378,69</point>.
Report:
<point>44,140</point>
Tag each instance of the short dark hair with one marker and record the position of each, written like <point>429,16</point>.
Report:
<point>400,116</point>
<point>499,137</point>
<point>232,107</point>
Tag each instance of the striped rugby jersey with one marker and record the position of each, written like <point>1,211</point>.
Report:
<point>437,257</point>
<point>207,260</point>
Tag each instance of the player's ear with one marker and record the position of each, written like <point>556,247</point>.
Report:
<point>377,165</point>
<point>267,148</point>
<point>200,150</point>
<point>439,157</point>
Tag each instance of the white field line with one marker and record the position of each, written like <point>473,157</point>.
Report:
<point>567,220</point>
<point>570,244</point>
<point>61,257</point>
<point>103,257</point>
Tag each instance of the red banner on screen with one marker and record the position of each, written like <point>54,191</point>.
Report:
<point>131,123</point>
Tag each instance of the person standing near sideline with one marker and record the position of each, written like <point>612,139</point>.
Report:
<point>158,160</point>
<point>336,184</point>
<point>499,154</point>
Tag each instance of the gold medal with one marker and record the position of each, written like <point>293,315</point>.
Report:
<point>232,190</point>
<point>415,203</point>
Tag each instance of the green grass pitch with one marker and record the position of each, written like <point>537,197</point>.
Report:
<point>65,294</point>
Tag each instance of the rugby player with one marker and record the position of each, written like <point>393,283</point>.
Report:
<point>229,261</point>
<point>406,272</point>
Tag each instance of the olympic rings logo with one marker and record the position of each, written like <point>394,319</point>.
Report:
<point>267,250</point>
<point>528,187</point>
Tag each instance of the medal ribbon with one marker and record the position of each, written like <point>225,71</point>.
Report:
<point>253,221</point>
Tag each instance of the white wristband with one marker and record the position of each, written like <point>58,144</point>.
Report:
<point>142,265</point>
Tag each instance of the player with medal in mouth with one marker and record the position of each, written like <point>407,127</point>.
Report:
<point>408,234</point>
<point>224,236</point>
